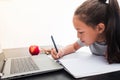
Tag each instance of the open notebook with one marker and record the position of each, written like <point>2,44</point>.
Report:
<point>83,64</point>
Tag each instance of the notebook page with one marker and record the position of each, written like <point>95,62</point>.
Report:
<point>82,64</point>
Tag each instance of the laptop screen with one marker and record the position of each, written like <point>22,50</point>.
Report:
<point>2,58</point>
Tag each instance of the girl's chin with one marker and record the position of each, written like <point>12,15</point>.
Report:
<point>87,44</point>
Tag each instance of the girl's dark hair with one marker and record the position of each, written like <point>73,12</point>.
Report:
<point>93,12</point>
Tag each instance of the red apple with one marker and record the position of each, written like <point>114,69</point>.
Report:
<point>34,50</point>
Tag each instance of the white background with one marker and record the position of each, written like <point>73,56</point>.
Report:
<point>27,22</point>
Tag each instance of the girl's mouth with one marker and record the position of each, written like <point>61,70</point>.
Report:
<point>83,42</point>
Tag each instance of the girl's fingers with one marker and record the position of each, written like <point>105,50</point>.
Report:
<point>46,51</point>
<point>54,54</point>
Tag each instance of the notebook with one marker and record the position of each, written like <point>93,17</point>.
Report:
<point>12,68</point>
<point>84,64</point>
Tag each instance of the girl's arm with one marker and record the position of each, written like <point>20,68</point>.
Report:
<point>64,51</point>
<point>71,48</point>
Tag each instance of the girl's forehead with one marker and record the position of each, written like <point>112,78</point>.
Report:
<point>78,24</point>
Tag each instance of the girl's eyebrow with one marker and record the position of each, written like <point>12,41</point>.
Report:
<point>78,29</point>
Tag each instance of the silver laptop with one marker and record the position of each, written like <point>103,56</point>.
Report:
<point>12,68</point>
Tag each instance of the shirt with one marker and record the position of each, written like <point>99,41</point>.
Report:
<point>97,48</point>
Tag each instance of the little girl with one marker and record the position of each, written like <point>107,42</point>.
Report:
<point>98,26</point>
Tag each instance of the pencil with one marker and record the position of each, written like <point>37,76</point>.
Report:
<point>54,44</point>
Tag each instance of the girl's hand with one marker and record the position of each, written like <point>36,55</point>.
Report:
<point>46,51</point>
<point>56,55</point>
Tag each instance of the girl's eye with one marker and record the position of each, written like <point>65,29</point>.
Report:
<point>80,32</point>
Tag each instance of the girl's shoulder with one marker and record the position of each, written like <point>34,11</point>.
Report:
<point>100,43</point>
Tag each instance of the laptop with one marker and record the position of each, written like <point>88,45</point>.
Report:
<point>12,68</point>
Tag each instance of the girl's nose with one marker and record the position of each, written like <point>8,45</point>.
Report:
<point>78,35</point>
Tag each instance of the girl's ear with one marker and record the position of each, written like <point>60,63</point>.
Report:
<point>100,27</point>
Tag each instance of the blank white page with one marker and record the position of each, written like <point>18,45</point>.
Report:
<point>82,64</point>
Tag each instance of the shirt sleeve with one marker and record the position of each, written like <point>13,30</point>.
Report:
<point>80,43</point>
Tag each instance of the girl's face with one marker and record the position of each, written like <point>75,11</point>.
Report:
<point>86,33</point>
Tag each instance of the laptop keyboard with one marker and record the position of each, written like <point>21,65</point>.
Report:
<point>20,65</point>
